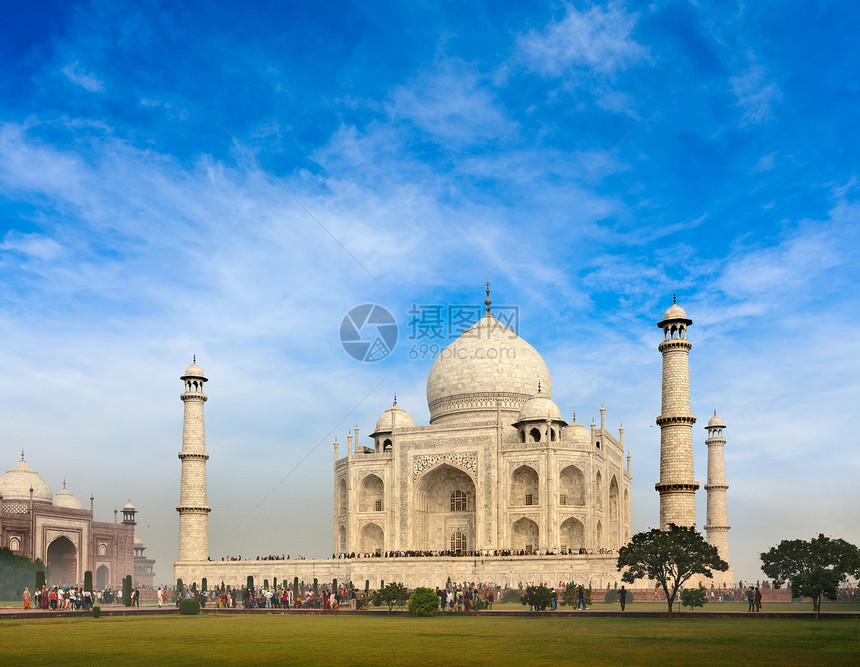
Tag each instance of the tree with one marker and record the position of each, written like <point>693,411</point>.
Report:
<point>668,557</point>
<point>18,572</point>
<point>126,590</point>
<point>694,597</point>
<point>423,602</point>
<point>813,568</point>
<point>539,597</point>
<point>390,595</point>
<point>88,581</point>
<point>250,582</point>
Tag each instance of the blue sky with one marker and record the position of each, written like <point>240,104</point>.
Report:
<point>590,159</point>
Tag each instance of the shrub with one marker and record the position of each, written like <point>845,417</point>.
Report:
<point>40,579</point>
<point>189,607</point>
<point>613,595</point>
<point>126,591</point>
<point>539,597</point>
<point>179,586</point>
<point>512,595</point>
<point>204,584</point>
<point>694,597</point>
<point>88,581</point>
<point>423,602</point>
<point>97,611</point>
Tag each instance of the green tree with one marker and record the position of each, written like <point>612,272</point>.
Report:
<point>668,557</point>
<point>295,588</point>
<point>423,602</point>
<point>88,581</point>
<point>539,597</point>
<point>179,587</point>
<point>813,568</point>
<point>390,595</point>
<point>126,591</point>
<point>40,579</point>
<point>694,597</point>
<point>250,582</point>
<point>17,572</point>
<point>204,584</point>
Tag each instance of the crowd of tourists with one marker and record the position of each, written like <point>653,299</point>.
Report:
<point>281,557</point>
<point>458,553</point>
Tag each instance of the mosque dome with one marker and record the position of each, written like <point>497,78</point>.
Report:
<point>675,314</point>
<point>65,499</point>
<point>488,364</point>
<point>128,507</point>
<point>193,371</point>
<point>138,542</point>
<point>17,482</point>
<point>576,432</point>
<point>394,415</point>
<point>539,408</point>
<point>715,422</point>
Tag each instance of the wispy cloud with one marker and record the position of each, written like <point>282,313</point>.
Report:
<point>756,94</point>
<point>32,245</point>
<point>80,77</point>
<point>598,38</point>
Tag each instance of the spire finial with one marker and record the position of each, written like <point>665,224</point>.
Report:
<point>194,359</point>
<point>673,299</point>
<point>395,398</point>
<point>538,386</point>
<point>22,454</point>
<point>574,415</point>
<point>715,412</point>
<point>487,301</point>
<point>64,484</point>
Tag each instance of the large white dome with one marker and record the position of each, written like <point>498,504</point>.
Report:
<point>16,484</point>
<point>488,364</point>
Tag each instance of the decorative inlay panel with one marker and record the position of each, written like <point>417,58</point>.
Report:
<point>425,462</point>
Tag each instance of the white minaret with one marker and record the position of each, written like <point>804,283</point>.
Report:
<point>677,488</point>
<point>717,526</point>
<point>192,508</point>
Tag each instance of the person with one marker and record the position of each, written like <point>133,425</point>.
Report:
<point>751,599</point>
<point>581,601</point>
<point>26,597</point>
<point>757,599</point>
<point>160,597</point>
<point>622,596</point>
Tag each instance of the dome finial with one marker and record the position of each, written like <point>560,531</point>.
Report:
<point>64,484</point>
<point>487,301</point>
<point>715,412</point>
<point>574,415</point>
<point>193,358</point>
<point>395,398</point>
<point>674,301</point>
<point>22,454</point>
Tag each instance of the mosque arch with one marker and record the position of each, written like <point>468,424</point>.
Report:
<point>14,544</point>
<point>572,534</point>
<point>371,494</point>
<point>386,445</point>
<point>102,577</point>
<point>525,535</point>
<point>524,486</point>
<point>372,539</point>
<point>598,491</point>
<point>62,561</point>
<point>598,535</point>
<point>571,489</point>
<point>443,503</point>
<point>102,549</point>
<point>535,434</point>
<point>341,497</point>
<point>341,539</point>
<point>613,513</point>
<point>459,542</point>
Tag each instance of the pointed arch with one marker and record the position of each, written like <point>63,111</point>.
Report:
<point>524,486</point>
<point>371,494</point>
<point>571,490</point>
<point>341,497</point>
<point>372,539</point>
<point>614,513</point>
<point>572,535</point>
<point>598,491</point>
<point>525,535</point>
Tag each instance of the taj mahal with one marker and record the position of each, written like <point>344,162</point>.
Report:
<point>498,487</point>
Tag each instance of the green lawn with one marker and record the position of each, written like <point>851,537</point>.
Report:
<point>378,639</point>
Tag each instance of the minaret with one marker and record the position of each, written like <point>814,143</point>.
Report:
<point>192,508</point>
<point>677,487</point>
<point>717,526</point>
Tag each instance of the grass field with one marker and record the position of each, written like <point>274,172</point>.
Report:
<point>381,640</point>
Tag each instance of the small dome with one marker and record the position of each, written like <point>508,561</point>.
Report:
<point>715,422</point>
<point>138,542</point>
<point>538,408</point>
<point>400,417</point>
<point>65,499</point>
<point>17,482</point>
<point>193,371</point>
<point>128,507</point>
<point>576,432</point>
<point>675,312</point>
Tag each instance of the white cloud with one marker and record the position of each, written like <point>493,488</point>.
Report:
<point>33,245</point>
<point>453,103</point>
<point>80,77</point>
<point>756,95</point>
<point>598,38</point>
